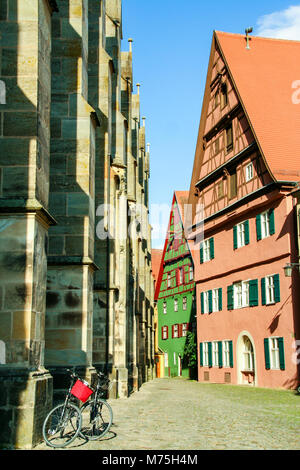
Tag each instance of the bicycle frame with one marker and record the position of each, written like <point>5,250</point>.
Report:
<point>68,396</point>
<point>98,393</point>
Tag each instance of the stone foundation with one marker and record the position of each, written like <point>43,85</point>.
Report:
<point>25,400</point>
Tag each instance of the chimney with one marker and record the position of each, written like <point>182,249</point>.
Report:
<point>247,32</point>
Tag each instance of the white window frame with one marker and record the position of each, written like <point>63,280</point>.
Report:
<point>249,172</point>
<point>180,276</point>
<point>240,233</point>
<point>241,294</point>
<point>274,353</point>
<point>176,330</point>
<point>184,329</point>
<point>206,301</point>
<point>165,332</point>
<point>175,305</point>
<point>169,279</point>
<point>205,354</point>
<point>226,353</point>
<point>270,290</point>
<point>184,303</point>
<point>166,357</point>
<point>165,307</point>
<point>206,250</point>
<point>215,353</point>
<point>191,273</point>
<point>247,358</point>
<point>265,224</point>
<point>215,300</point>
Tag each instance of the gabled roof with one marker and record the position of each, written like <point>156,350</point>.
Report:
<point>264,77</point>
<point>180,198</point>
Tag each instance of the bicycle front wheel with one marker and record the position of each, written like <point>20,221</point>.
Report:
<point>62,425</point>
<point>96,419</point>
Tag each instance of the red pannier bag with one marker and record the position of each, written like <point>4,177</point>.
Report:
<point>81,390</point>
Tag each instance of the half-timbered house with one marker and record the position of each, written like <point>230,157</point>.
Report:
<point>246,168</point>
<point>174,293</point>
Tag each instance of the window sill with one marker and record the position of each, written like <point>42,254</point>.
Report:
<point>239,308</point>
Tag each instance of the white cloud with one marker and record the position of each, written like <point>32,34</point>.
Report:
<point>283,24</point>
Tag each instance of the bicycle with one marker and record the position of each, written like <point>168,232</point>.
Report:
<point>63,423</point>
<point>97,414</point>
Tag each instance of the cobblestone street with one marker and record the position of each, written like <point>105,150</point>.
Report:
<point>178,414</point>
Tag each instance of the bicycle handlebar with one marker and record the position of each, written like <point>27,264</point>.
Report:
<point>73,375</point>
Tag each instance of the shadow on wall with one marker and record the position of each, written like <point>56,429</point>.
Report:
<point>14,164</point>
<point>75,71</point>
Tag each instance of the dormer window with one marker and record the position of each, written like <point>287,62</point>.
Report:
<point>216,100</point>
<point>217,146</point>
<point>224,95</point>
<point>249,172</point>
<point>229,139</point>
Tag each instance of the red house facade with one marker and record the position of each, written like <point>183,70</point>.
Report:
<point>245,173</point>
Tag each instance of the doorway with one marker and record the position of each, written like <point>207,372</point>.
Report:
<point>246,360</point>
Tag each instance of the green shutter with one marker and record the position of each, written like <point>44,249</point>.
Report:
<point>253,293</point>
<point>247,233</point>
<point>230,354</point>
<point>281,353</point>
<point>212,248</point>
<point>258,227</point>
<point>201,253</point>
<point>209,355</point>
<point>220,299</point>
<point>201,354</point>
<point>272,222</point>
<point>235,242</point>
<point>263,291</point>
<point>210,305</point>
<point>277,288</point>
<point>220,353</point>
<point>230,297</point>
<point>202,302</point>
<point>267,353</point>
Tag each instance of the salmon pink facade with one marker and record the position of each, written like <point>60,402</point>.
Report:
<point>247,309</point>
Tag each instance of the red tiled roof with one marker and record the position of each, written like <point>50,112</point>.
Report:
<point>265,78</point>
<point>182,199</point>
<point>156,259</point>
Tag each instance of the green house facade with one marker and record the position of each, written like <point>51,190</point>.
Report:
<point>175,294</point>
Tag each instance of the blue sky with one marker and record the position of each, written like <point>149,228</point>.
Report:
<point>171,47</point>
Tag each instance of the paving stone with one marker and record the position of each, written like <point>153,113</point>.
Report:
<point>179,414</point>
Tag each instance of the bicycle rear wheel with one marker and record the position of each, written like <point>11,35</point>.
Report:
<point>62,425</point>
<point>96,419</point>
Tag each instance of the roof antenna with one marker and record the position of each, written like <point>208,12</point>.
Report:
<point>248,31</point>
